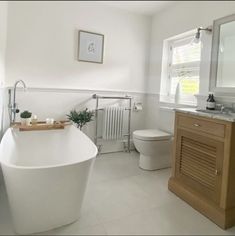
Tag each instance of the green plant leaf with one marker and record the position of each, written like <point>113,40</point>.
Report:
<point>80,118</point>
<point>25,114</point>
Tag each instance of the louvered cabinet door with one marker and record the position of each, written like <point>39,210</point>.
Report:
<point>199,163</point>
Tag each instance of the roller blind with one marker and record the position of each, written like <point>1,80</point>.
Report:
<point>184,66</point>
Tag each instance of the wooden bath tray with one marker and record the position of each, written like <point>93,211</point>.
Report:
<point>41,125</point>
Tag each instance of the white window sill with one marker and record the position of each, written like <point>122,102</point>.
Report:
<point>166,100</point>
<point>169,106</point>
<point>177,105</point>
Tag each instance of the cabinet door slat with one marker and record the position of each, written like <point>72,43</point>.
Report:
<point>197,167</point>
<point>198,149</point>
<point>198,162</point>
<point>207,147</point>
<point>199,180</point>
<point>204,161</point>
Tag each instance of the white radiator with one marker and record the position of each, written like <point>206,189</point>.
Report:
<point>113,123</point>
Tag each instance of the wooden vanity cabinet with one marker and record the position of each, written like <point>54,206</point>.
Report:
<point>203,172</point>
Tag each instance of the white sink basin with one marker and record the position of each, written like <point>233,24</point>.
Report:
<point>231,114</point>
<point>216,112</point>
<point>210,111</point>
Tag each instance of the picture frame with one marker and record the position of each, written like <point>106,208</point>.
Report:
<point>90,47</point>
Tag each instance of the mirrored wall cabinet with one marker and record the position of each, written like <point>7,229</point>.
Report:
<point>222,74</point>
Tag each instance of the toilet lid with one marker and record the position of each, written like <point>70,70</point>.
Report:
<point>151,134</point>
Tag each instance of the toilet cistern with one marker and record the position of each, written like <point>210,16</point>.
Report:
<point>12,105</point>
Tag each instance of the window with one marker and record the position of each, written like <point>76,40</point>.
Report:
<point>181,80</point>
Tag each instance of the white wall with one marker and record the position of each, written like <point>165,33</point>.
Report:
<point>3,36</point>
<point>180,18</point>
<point>43,39</point>
<point>3,41</point>
<point>42,50</point>
<point>177,19</point>
<point>46,103</point>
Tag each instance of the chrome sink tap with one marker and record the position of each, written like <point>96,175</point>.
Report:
<point>12,105</point>
<point>223,109</point>
<point>226,109</point>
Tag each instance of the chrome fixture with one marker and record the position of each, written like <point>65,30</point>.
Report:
<point>128,135</point>
<point>12,105</point>
<point>220,109</point>
<point>226,109</point>
<point>196,39</point>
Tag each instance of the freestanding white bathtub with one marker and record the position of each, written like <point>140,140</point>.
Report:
<point>46,174</point>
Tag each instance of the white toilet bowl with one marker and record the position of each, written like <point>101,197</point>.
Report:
<point>154,147</point>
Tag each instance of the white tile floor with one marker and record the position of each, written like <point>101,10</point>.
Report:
<point>123,199</point>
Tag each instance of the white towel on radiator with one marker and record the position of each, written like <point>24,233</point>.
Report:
<point>113,123</point>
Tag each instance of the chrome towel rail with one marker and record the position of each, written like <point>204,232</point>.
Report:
<point>111,97</point>
<point>97,97</point>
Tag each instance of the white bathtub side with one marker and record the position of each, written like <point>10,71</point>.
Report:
<point>42,149</point>
<point>45,198</point>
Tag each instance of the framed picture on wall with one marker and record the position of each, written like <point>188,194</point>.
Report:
<point>90,47</point>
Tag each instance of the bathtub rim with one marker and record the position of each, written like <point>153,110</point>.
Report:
<point>7,164</point>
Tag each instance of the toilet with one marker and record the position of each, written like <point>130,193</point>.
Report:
<point>154,147</point>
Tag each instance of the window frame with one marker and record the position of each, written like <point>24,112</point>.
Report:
<point>167,61</point>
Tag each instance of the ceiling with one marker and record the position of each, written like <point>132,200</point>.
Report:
<point>140,7</point>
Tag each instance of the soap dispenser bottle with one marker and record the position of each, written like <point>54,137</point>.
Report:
<point>210,102</point>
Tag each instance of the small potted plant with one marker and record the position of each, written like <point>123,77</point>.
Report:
<point>25,117</point>
<point>80,118</point>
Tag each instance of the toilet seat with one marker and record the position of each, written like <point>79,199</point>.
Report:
<point>151,135</point>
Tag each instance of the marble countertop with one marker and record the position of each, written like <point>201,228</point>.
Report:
<point>226,117</point>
